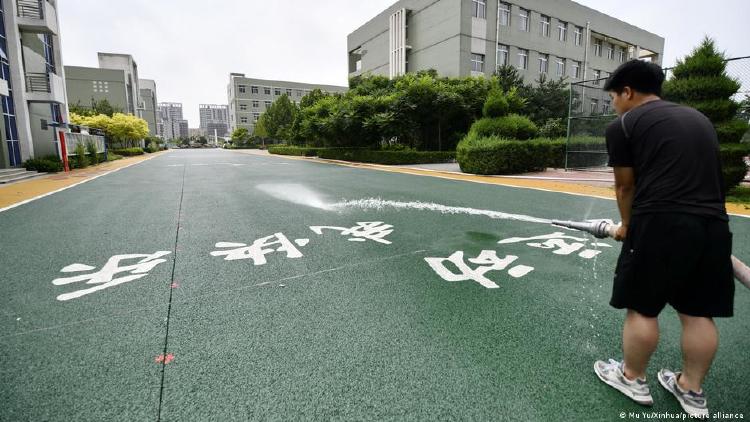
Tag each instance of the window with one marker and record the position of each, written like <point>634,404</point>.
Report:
<point>256,103</point>
<point>477,62</point>
<point>621,54</point>
<point>523,21</point>
<point>267,90</point>
<point>605,107</point>
<point>560,67</point>
<point>562,31</point>
<point>241,89</point>
<point>543,63</point>
<point>267,104</point>
<point>504,14</point>
<point>243,107</point>
<point>299,92</point>
<point>597,76</point>
<point>253,89</point>
<point>523,59</point>
<point>594,108</point>
<point>479,9</point>
<point>544,25</point>
<point>578,35</point>
<point>243,119</point>
<point>277,91</point>
<point>502,55</point>
<point>256,116</point>
<point>575,69</point>
<point>288,92</point>
<point>610,51</point>
<point>598,48</point>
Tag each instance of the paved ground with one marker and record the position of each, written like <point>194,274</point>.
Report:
<point>317,326</point>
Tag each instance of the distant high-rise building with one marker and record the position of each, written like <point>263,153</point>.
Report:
<point>171,124</point>
<point>150,104</point>
<point>214,119</point>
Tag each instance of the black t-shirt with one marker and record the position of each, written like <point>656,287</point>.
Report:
<point>674,153</point>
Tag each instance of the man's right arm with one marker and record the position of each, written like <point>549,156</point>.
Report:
<point>625,191</point>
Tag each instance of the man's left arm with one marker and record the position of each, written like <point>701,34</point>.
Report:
<point>625,191</point>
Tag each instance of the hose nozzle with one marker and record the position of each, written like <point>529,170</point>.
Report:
<point>601,229</point>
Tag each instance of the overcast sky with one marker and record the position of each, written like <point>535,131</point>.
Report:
<point>189,47</point>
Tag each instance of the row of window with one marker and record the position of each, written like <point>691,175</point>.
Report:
<point>100,86</point>
<point>561,64</point>
<point>594,107</point>
<point>242,89</point>
<point>245,120</point>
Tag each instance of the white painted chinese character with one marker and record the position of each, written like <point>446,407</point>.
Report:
<point>487,257</point>
<point>260,248</point>
<point>368,230</point>
<point>104,278</point>
<point>558,242</point>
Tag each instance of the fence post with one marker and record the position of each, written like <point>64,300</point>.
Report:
<point>570,111</point>
<point>64,151</point>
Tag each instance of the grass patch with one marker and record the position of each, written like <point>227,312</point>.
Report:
<point>739,195</point>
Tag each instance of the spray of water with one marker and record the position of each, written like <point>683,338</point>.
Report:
<point>297,194</point>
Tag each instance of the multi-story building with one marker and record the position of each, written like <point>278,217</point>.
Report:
<point>171,123</point>
<point>214,119</point>
<point>150,104</point>
<point>88,85</point>
<point>125,62</point>
<point>460,38</point>
<point>249,98</point>
<point>32,81</point>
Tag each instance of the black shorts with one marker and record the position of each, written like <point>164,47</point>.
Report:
<point>674,258</point>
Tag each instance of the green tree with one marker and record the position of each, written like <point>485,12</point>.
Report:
<point>700,81</point>
<point>277,120</point>
<point>96,108</point>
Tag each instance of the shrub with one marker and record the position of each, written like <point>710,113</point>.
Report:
<point>93,153</point>
<point>496,104</point>
<point>731,131</point>
<point>717,109</point>
<point>509,127</point>
<point>387,157</point>
<point>128,152</point>
<point>48,164</point>
<point>292,150</point>
<point>699,88</point>
<point>113,157</point>
<point>553,128</point>
<point>81,161</point>
<point>495,155</point>
<point>733,165</point>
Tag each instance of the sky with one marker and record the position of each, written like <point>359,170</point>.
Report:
<point>189,47</point>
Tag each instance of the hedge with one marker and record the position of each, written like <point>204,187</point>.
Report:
<point>512,126</point>
<point>48,164</point>
<point>293,150</point>
<point>387,157</point>
<point>733,164</point>
<point>494,155</point>
<point>128,152</point>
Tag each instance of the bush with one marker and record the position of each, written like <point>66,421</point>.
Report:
<point>113,157</point>
<point>48,164</point>
<point>387,157</point>
<point>731,131</point>
<point>509,127</point>
<point>699,88</point>
<point>553,128</point>
<point>496,104</point>
<point>717,110</point>
<point>93,153</point>
<point>733,164</point>
<point>494,155</point>
<point>128,152</point>
<point>292,150</point>
<point>80,161</point>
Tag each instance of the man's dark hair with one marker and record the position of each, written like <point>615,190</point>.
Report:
<point>641,76</point>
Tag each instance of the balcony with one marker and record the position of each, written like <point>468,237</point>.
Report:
<point>45,88</point>
<point>37,16</point>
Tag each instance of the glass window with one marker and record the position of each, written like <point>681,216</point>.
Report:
<point>523,59</point>
<point>575,69</point>
<point>610,51</point>
<point>594,108</point>
<point>479,8</point>
<point>544,22</point>
<point>560,67</point>
<point>299,92</point>
<point>523,21</point>
<point>243,119</point>
<point>243,107</point>
<point>253,89</point>
<point>477,62</point>
<point>543,63</point>
<point>597,76</point>
<point>598,48</point>
<point>288,92</point>
<point>504,14</point>
<point>267,90</point>
<point>578,35</point>
<point>562,31</point>
<point>277,91</point>
<point>241,89</point>
<point>256,116</point>
<point>605,107</point>
<point>256,103</point>
<point>502,55</point>
<point>267,104</point>
<point>621,54</point>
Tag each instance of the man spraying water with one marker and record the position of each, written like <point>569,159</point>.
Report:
<point>676,240</point>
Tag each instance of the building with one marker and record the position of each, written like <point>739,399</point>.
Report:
<point>126,63</point>
<point>557,38</point>
<point>249,98</point>
<point>32,81</point>
<point>171,124</point>
<point>150,104</point>
<point>214,119</point>
<point>88,85</point>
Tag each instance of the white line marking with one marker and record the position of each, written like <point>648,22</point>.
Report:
<point>9,207</point>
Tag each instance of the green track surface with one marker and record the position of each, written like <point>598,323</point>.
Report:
<point>349,331</point>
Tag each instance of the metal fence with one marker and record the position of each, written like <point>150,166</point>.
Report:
<point>73,139</point>
<point>590,112</point>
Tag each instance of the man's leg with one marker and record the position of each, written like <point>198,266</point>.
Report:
<point>700,339</point>
<point>640,336</point>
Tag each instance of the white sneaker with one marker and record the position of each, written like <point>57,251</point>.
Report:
<point>694,404</point>
<point>611,374</point>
